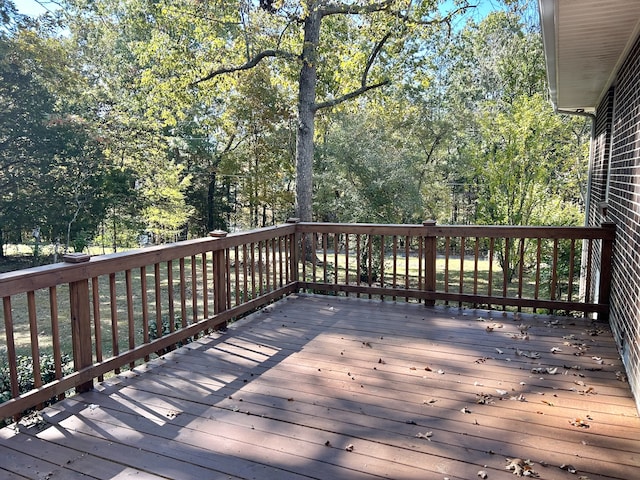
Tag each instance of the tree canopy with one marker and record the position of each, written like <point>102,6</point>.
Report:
<point>177,117</point>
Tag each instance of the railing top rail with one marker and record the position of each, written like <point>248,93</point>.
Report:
<point>36,278</point>
<point>606,232</point>
<point>12,283</point>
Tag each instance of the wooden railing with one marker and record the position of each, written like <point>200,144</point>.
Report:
<point>506,266</point>
<point>112,312</point>
<point>115,310</point>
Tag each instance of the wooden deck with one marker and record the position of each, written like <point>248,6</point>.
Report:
<point>333,388</point>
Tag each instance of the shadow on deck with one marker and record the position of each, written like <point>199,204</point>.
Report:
<point>343,388</point>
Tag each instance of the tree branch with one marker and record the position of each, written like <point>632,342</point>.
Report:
<point>248,65</point>
<point>434,21</point>
<point>338,9</point>
<point>349,96</point>
<point>376,51</point>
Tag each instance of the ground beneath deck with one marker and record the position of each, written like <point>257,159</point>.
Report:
<point>333,388</point>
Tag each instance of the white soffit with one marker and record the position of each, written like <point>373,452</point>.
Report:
<point>585,42</point>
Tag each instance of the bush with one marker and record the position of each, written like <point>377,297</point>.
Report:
<point>25,374</point>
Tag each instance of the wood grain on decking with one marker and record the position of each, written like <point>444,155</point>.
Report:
<point>333,388</point>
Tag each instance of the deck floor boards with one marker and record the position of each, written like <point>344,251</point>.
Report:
<point>319,387</point>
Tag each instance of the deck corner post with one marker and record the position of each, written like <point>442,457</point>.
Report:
<point>219,276</point>
<point>430,260</point>
<point>294,254</point>
<point>606,256</point>
<point>81,329</point>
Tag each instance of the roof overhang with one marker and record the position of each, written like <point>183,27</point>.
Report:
<point>585,43</point>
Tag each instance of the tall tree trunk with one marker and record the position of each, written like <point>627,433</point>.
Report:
<point>306,113</point>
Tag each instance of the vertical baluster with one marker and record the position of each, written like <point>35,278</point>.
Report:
<point>476,258</point>
<point>291,243</point>
<point>505,271</point>
<point>97,321</point>
<point>336,267</point>
<point>423,257</point>
<point>282,263</point>
<point>130,320</point>
<point>407,256</point>
<point>158,296</point>
<point>170,299</point>
<point>183,293</point>
<point>35,347</point>
<point>194,289</point>
<point>145,308</point>
<point>447,246</point>
<point>268,255</point>
<point>227,254</point>
<point>492,245</point>
<point>12,359</point>
<point>314,243</point>
<point>253,270</point>
<point>115,344</point>
<point>536,292</point>
<point>260,268</point>
<point>554,270</point>
<point>55,334</point>
<point>347,259</point>
<point>382,240</point>
<point>325,241</point>
<point>237,262</point>
<point>462,252</point>
<point>205,285</point>
<point>245,278</point>
<point>275,261</point>
<point>520,270</point>
<point>587,282</point>
<point>358,262</point>
<point>370,261</point>
<point>572,251</point>
<point>394,266</point>
<point>303,258</point>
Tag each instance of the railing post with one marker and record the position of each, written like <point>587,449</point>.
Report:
<point>219,277</point>
<point>429,260</point>
<point>80,322</point>
<point>294,253</point>
<point>606,256</point>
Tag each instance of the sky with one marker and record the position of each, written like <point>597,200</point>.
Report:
<point>34,8</point>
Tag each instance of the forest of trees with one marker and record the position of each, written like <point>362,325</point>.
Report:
<point>176,117</point>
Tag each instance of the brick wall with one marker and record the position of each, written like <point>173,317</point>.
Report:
<point>623,200</point>
<point>601,149</point>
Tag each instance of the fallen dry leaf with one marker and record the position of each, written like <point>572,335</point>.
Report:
<point>425,435</point>
<point>465,410</point>
<point>482,474</point>
<point>483,399</point>
<point>349,447</point>
<point>621,376</point>
<point>521,468</point>
<point>579,422</point>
